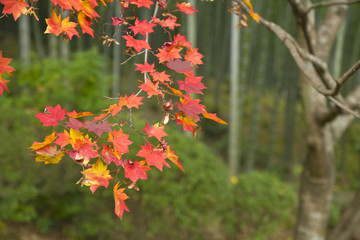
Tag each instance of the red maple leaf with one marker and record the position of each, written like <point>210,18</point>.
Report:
<point>150,88</point>
<point>153,157</point>
<point>120,197</point>
<point>86,149</point>
<point>137,44</point>
<point>53,115</point>
<point>74,124</point>
<point>193,56</point>
<point>142,27</point>
<point>110,155</point>
<point>135,170</point>
<point>191,107</point>
<point>3,85</point>
<point>63,139</point>
<point>117,21</point>
<point>186,8</point>
<point>4,65</point>
<point>192,84</point>
<point>85,24</point>
<point>63,4</point>
<point>120,141</point>
<point>57,26</point>
<point>14,7</point>
<point>144,68</point>
<point>179,66</point>
<point>161,77</point>
<point>155,131</point>
<point>167,55</point>
<point>168,22</point>
<point>133,101</point>
<point>142,3</point>
<point>98,127</point>
<point>181,41</point>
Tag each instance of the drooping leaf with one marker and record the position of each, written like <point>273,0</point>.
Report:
<point>170,154</point>
<point>213,117</point>
<point>96,176</point>
<point>120,197</point>
<point>52,117</point>
<point>85,24</point>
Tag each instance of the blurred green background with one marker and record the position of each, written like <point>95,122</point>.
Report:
<point>43,202</point>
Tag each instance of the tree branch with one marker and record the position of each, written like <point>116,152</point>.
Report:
<point>349,73</point>
<point>331,3</point>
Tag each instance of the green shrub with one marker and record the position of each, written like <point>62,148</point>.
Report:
<point>264,206</point>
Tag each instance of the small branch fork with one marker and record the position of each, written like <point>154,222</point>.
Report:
<point>321,78</point>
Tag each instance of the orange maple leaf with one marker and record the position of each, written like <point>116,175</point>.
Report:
<point>14,7</point>
<point>167,55</point>
<point>85,24</point>
<point>97,175</point>
<point>120,141</point>
<point>150,88</point>
<point>57,26</point>
<point>120,197</point>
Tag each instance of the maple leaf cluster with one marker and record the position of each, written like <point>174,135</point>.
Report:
<point>91,141</point>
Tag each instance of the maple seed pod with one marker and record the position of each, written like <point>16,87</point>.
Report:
<point>168,106</point>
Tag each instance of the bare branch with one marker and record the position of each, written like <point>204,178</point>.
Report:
<point>331,3</point>
<point>349,73</point>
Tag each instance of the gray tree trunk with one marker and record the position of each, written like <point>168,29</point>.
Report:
<point>24,40</point>
<point>235,118</point>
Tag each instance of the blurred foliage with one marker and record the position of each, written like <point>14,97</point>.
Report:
<point>264,206</point>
